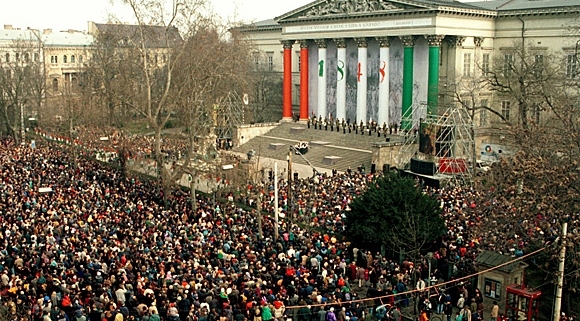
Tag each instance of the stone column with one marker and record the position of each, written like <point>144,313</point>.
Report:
<point>340,79</point>
<point>408,52</point>
<point>361,76</point>
<point>303,79</point>
<point>478,41</point>
<point>287,81</point>
<point>384,54</point>
<point>433,80</point>
<point>455,56</point>
<point>321,77</point>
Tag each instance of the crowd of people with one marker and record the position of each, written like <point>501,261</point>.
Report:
<point>97,245</point>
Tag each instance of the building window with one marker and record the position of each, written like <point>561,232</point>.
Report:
<point>270,61</point>
<point>156,59</point>
<point>508,62</point>
<point>467,64</point>
<point>163,58</point>
<point>571,65</point>
<point>26,57</point>
<point>36,57</point>
<point>17,57</point>
<point>492,289</point>
<point>505,109</point>
<point>538,65</point>
<point>485,63</point>
<point>299,62</point>
<point>51,59</point>
<point>72,59</point>
<point>297,91</point>
<point>64,59</point>
<point>80,59</point>
<point>7,57</point>
<point>483,113</point>
<point>55,84</point>
<point>256,61</point>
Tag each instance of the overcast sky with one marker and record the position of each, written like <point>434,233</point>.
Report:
<point>74,14</point>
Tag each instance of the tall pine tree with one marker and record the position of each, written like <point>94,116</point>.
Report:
<point>396,214</point>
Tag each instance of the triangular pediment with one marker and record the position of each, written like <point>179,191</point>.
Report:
<point>336,8</point>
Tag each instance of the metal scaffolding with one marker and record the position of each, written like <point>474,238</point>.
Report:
<point>228,114</point>
<point>446,139</point>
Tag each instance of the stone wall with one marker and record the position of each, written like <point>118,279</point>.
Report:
<point>388,153</point>
<point>243,133</point>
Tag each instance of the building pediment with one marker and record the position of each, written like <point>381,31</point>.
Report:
<point>328,9</point>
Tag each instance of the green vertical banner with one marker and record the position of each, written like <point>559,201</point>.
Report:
<point>407,120</point>
<point>433,81</point>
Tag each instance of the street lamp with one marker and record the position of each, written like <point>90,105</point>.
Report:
<point>429,258</point>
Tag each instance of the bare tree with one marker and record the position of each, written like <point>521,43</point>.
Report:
<point>526,197</point>
<point>267,89</point>
<point>171,69</point>
<point>19,86</point>
<point>523,74</point>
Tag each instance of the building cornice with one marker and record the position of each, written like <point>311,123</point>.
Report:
<point>252,28</point>
<point>572,10</point>
<point>406,13</point>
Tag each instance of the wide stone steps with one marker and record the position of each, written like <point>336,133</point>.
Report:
<point>353,149</point>
<point>351,140</point>
<point>315,154</point>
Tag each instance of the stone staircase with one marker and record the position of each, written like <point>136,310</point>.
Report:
<point>351,140</point>
<point>349,150</point>
<point>316,153</point>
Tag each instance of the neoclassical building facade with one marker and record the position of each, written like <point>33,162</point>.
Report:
<point>378,59</point>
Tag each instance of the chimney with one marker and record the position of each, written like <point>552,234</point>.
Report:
<point>47,31</point>
<point>8,27</point>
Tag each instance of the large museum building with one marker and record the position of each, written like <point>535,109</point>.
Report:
<point>377,60</point>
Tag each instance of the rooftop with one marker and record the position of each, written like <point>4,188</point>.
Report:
<point>155,36</point>
<point>69,39</point>
<point>16,34</point>
<point>507,5</point>
<point>488,259</point>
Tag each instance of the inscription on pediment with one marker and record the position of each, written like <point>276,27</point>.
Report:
<point>341,7</point>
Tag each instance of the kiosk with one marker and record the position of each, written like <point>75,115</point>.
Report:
<point>521,303</point>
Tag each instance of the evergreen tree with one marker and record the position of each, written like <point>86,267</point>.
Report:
<point>396,214</point>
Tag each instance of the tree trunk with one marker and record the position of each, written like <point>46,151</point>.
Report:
<point>259,212</point>
<point>474,148</point>
<point>73,145</point>
<point>193,197</point>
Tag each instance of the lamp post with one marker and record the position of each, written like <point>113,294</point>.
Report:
<point>22,130</point>
<point>576,58</point>
<point>276,201</point>
<point>429,258</point>
<point>290,196</point>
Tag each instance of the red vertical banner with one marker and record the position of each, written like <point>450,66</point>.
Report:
<point>303,80</point>
<point>287,86</point>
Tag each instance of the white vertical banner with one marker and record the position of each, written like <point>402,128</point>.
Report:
<point>276,200</point>
<point>322,77</point>
<point>383,115</point>
<point>361,76</point>
<point>341,79</point>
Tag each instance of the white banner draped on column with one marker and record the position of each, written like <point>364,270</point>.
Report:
<point>322,78</point>
<point>384,52</point>
<point>361,92</point>
<point>341,79</point>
